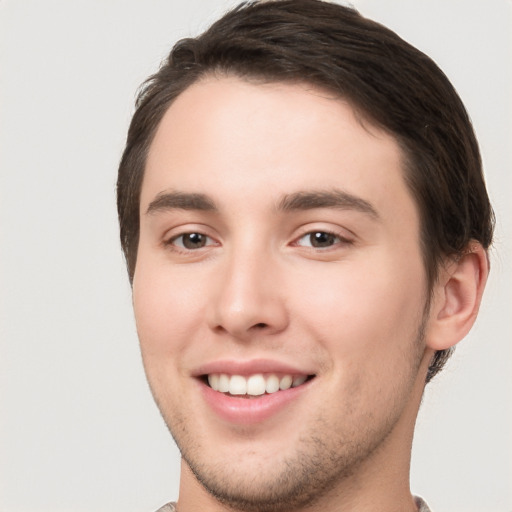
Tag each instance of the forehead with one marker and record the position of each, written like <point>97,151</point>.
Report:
<point>239,141</point>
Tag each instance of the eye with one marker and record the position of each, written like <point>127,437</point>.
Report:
<point>191,241</point>
<point>320,240</point>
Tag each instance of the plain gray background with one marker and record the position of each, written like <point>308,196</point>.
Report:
<point>78,428</point>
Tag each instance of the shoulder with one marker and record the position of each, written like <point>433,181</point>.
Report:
<point>170,507</point>
<point>422,506</point>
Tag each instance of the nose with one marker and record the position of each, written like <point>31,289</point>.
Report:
<point>248,297</point>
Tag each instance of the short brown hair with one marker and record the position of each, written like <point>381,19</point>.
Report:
<point>388,81</point>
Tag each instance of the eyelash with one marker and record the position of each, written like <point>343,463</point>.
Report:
<point>182,247</point>
<point>340,240</point>
<point>334,238</point>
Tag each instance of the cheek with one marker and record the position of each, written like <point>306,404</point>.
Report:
<point>166,307</point>
<point>366,313</point>
<point>368,324</point>
<point>166,311</point>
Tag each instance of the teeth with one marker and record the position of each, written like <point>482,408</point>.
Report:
<point>285,382</point>
<point>297,381</point>
<point>272,384</point>
<point>237,385</point>
<point>254,385</point>
<point>213,380</point>
<point>223,383</point>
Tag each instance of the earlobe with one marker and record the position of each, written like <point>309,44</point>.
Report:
<point>456,298</point>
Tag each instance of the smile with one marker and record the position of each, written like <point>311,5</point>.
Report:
<point>252,398</point>
<point>254,385</point>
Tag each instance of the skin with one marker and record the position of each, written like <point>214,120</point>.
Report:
<point>351,313</point>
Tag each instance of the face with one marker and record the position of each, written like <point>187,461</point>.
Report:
<point>279,290</point>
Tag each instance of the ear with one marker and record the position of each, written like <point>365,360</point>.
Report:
<point>456,297</point>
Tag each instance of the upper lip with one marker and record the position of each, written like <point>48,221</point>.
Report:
<point>249,367</point>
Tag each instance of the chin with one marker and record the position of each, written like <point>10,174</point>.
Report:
<point>263,478</point>
<point>251,487</point>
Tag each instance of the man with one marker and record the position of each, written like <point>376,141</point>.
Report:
<point>306,228</point>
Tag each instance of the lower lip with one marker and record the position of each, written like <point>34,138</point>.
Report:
<point>248,411</point>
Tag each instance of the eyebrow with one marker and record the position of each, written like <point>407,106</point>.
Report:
<point>301,200</point>
<point>339,199</point>
<point>181,201</point>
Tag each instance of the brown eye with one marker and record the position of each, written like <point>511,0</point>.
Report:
<point>322,239</point>
<point>191,241</point>
<point>318,239</point>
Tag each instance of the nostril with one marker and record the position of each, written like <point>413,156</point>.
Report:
<point>260,325</point>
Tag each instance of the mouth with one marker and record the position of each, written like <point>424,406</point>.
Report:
<point>254,391</point>
<point>255,385</point>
